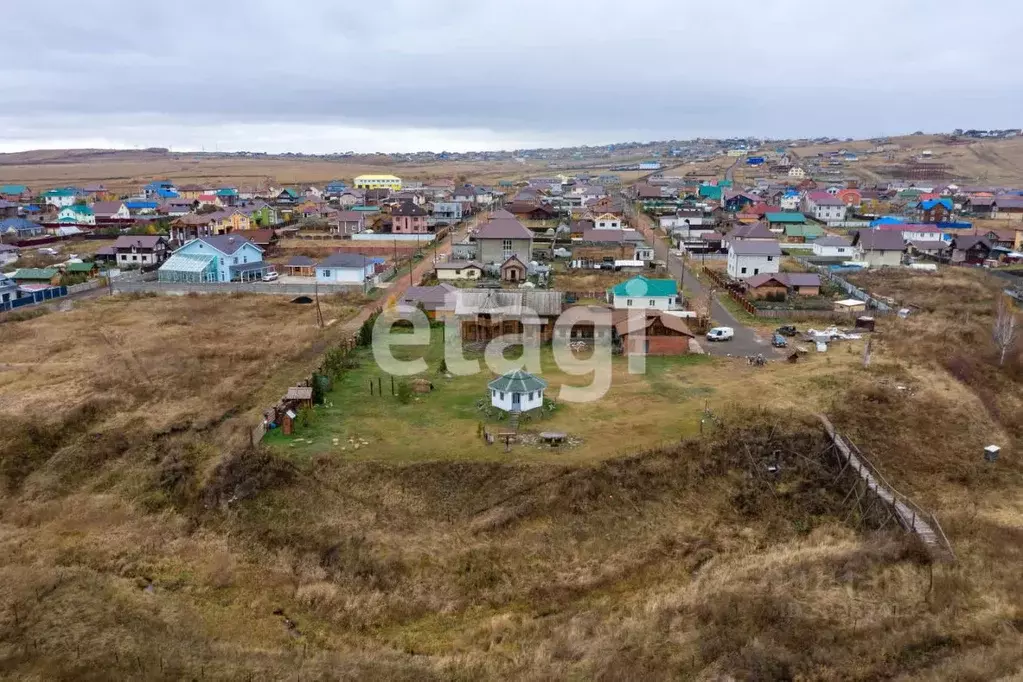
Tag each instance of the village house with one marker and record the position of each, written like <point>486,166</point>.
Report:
<point>776,222</point>
<point>447,211</point>
<point>824,207</point>
<point>935,248</point>
<point>802,234</point>
<point>19,228</point>
<point>221,258</point>
<point>347,222</point>
<point>879,248</point>
<point>513,270</point>
<point>8,253</point>
<point>351,197</point>
<point>8,289</point>
<point>407,218</point>
<point>502,237</point>
<point>87,268</point>
<point>345,268</point>
<point>748,257</point>
<point>111,210</point>
<point>140,250</point>
<point>607,221</point>
<point>935,210</point>
<point>15,192</point>
<point>651,332</point>
<point>61,197</point>
<point>529,211</point>
<point>48,276</point>
<point>76,214</point>
<point>783,283</point>
<point>438,302</point>
<point>912,231</point>
<point>485,314</point>
<point>644,293</point>
<point>833,247</point>
<point>970,250</point>
<point>457,269</point>
<point>750,232</point>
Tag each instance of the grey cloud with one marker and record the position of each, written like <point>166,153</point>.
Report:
<point>524,70</point>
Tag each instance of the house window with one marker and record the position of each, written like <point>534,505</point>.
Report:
<point>506,245</point>
<point>236,260</point>
<point>651,303</point>
<point>743,271</point>
<point>134,257</point>
<point>502,395</point>
<point>326,273</point>
<point>628,302</point>
<point>841,249</point>
<point>530,396</point>
<point>770,258</point>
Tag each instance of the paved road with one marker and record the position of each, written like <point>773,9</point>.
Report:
<point>746,341</point>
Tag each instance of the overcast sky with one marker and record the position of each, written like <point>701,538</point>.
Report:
<point>323,76</point>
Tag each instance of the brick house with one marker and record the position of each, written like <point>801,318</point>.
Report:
<point>408,218</point>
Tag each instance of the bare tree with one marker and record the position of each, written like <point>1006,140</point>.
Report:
<point>1005,330</point>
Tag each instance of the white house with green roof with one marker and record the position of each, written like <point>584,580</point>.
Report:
<point>644,293</point>
<point>517,391</point>
<point>78,214</point>
<point>62,197</point>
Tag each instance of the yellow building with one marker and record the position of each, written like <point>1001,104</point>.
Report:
<point>390,182</point>
<point>224,222</point>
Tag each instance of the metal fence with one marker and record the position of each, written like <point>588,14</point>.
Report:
<point>847,286</point>
<point>34,298</point>
<point>277,288</point>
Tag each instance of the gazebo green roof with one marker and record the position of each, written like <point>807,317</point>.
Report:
<point>84,266</point>
<point>518,381</point>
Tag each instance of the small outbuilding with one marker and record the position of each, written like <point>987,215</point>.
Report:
<point>517,391</point>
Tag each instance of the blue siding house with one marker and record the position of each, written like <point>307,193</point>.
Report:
<point>223,258</point>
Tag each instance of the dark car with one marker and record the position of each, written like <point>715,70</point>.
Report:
<point>787,330</point>
<point>779,341</point>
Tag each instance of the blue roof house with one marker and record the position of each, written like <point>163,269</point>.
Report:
<point>223,258</point>
<point>335,187</point>
<point>19,228</point>
<point>141,206</point>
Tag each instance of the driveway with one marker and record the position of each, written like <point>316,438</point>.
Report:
<point>746,341</point>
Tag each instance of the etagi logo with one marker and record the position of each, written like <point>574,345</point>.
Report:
<point>499,320</point>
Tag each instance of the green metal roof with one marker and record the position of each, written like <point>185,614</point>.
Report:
<point>786,217</point>
<point>640,286</point>
<point>518,381</point>
<point>80,267</point>
<point>710,191</point>
<point>13,189</point>
<point>806,230</point>
<point>34,273</point>
<point>64,192</point>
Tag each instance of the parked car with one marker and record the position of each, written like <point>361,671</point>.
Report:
<point>46,250</point>
<point>271,277</point>
<point>786,330</point>
<point>779,341</point>
<point>720,334</point>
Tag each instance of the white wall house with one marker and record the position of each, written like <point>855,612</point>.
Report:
<point>60,197</point>
<point>789,202</point>
<point>344,268</point>
<point>834,247</point>
<point>607,221</point>
<point>77,215</point>
<point>797,172</point>
<point>642,293</point>
<point>830,211</point>
<point>455,270</point>
<point>517,391</point>
<point>747,258</point>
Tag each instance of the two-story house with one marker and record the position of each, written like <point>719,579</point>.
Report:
<point>111,210</point>
<point>747,258</point>
<point>77,214</point>
<point>503,237</point>
<point>407,218</point>
<point>222,258</point>
<point>447,211</point>
<point>140,250</point>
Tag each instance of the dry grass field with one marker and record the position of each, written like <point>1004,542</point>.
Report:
<point>127,171</point>
<point>141,538</point>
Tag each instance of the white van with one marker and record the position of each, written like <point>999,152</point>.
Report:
<point>720,334</point>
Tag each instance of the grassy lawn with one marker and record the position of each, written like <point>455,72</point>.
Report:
<point>637,412</point>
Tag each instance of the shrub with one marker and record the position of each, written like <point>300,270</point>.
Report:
<point>404,393</point>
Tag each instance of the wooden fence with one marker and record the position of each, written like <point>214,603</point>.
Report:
<point>346,345</point>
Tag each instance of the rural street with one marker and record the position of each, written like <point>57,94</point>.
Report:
<point>746,341</point>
